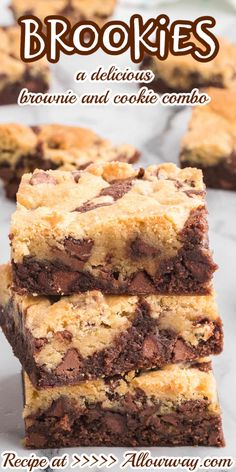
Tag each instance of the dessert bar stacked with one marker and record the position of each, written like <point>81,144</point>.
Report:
<point>108,304</point>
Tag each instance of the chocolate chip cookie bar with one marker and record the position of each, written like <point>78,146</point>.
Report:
<point>75,10</point>
<point>112,228</point>
<point>184,73</point>
<point>213,151</point>
<point>86,336</point>
<point>175,406</point>
<point>14,73</point>
<point>24,149</point>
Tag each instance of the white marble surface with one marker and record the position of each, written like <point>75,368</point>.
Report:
<point>156,132</point>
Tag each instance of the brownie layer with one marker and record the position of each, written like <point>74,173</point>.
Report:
<point>63,426</point>
<point>131,419</point>
<point>11,176</point>
<point>10,93</point>
<point>189,272</point>
<point>176,405</point>
<point>160,85</point>
<point>143,345</point>
<point>221,175</point>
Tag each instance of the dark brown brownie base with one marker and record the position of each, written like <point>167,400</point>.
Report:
<point>159,85</point>
<point>10,93</point>
<point>190,424</point>
<point>11,177</point>
<point>188,273</point>
<point>142,346</point>
<point>220,176</point>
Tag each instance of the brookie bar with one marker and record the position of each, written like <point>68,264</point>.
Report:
<point>214,150</point>
<point>184,73</point>
<point>75,10</point>
<point>14,73</point>
<point>176,406</point>
<point>86,336</point>
<point>112,228</point>
<point>24,149</point>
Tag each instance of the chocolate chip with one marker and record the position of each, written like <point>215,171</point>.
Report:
<point>114,422</point>
<point>83,166</point>
<point>42,178</point>
<point>149,347</point>
<point>70,365</point>
<point>141,284</point>
<point>63,336</point>
<point>40,343</point>
<point>79,248</point>
<point>61,281</point>
<point>76,175</point>
<point>89,206</point>
<point>190,182</point>
<point>198,265</point>
<point>140,248</point>
<point>36,129</point>
<point>178,184</point>
<point>192,193</point>
<point>58,408</point>
<point>117,189</point>
<point>181,352</point>
<point>140,173</point>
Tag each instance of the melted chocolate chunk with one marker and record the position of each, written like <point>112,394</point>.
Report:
<point>63,336</point>
<point>76,176</point>
<point>192,193</point>
<point>89,206</point>
<point>70,365</point>
<point>36,129</point>
<point>139,249</point>
<point>141,284</point>
<point>40,343</point>
<point>81,249</point>
<point>141,173</point>
<point>117,189</point>
<point>42,178</point>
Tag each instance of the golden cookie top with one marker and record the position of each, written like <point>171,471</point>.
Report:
<point>211,146</point>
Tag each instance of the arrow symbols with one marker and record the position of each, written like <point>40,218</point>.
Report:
<point>82,461</point>
<point>93,460</point>
<point>114,461</point>
<point>96,460</point>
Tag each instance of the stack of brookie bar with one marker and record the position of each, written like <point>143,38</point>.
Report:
<point>109,306</point>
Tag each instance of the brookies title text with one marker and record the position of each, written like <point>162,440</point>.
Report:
<point>157,37</point>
